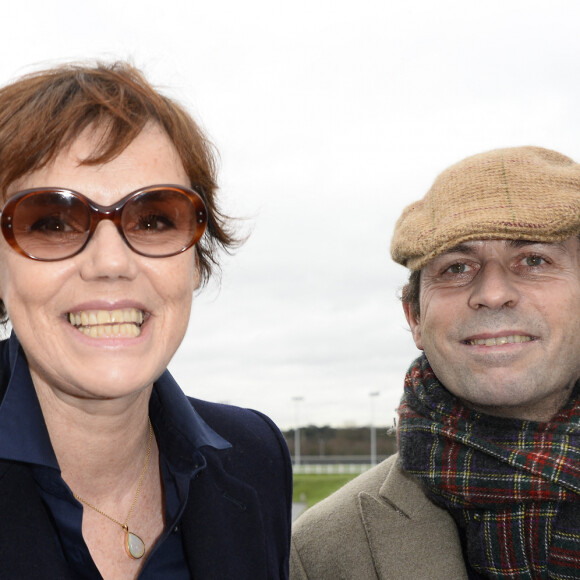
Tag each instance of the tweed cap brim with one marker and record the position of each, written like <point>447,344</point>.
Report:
<point>520,193</point>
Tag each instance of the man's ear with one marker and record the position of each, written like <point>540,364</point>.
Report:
<point>414,323</point>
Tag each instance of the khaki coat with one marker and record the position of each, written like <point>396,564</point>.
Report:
<point>379,526</point>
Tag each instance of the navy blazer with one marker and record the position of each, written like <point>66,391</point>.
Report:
<point>236,524</point>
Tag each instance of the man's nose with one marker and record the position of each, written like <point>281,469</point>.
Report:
<point>495,286</point>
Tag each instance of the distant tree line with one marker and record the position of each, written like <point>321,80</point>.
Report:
<point>325,441</point>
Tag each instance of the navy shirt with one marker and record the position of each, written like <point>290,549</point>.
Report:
<point>180,433</point>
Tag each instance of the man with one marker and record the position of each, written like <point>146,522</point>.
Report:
<point>486,483</point>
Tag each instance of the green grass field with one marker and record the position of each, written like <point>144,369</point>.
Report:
<point>311,488</point>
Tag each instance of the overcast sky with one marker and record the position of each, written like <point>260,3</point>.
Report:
<point>330,117</point>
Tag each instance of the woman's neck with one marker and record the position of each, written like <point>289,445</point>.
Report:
<point>100,445</point>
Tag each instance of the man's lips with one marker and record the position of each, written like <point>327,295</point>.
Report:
<point>499,340</point>
<point>117,323</point>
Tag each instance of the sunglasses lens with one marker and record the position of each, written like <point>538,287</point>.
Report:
<point>163,222</point>
<point>50,225</point>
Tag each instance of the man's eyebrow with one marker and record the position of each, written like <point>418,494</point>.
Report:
<point>460,249</point>
<point>521,243</point>
<point>470,250</point>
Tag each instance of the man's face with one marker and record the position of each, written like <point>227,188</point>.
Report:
<point>500,324</point>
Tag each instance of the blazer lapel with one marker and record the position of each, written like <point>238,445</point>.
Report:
<point>409,537</point>
<point>28,545</point>
<point>222,528</point>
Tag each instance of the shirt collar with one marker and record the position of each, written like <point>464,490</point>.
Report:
<point>172,412</point>
<point>24,436</point>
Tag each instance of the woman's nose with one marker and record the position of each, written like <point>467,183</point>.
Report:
<point>107,255</point>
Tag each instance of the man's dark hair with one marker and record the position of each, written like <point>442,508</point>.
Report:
<point>412,291</point>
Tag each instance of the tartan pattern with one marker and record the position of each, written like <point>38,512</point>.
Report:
<point>512,486</point>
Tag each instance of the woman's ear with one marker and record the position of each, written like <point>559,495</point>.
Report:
<point>196,272</point>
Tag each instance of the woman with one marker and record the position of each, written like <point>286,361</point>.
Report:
<point>109,224</point>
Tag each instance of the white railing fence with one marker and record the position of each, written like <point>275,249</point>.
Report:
<point>331,468</point>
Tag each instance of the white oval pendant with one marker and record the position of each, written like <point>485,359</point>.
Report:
<point>134,545</point>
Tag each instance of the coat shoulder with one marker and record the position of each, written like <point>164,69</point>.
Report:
<point>258,448</point>
<point>236,422</point>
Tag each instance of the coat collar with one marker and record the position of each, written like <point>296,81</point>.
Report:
<point>222,525</point>
<point>408,536</point>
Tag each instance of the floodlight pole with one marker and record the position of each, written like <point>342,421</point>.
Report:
<point>373,429</point>
<point>297,459</point>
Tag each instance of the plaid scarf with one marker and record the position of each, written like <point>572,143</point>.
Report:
<point>512,486</point>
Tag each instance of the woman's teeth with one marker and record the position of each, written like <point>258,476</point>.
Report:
<point>123,322</point>
<point>498,341</point>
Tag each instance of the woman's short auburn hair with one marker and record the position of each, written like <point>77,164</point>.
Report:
<point>42,113</point>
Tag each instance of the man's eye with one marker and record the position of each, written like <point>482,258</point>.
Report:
<point>534,261</point>
<point>458,268</point>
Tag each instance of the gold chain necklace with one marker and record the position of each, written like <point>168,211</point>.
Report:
<point>134,545</point>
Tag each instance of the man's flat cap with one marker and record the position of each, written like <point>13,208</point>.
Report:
<point>520,193</point>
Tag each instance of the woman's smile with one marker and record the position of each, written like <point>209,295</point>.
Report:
<point>122,322</point>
